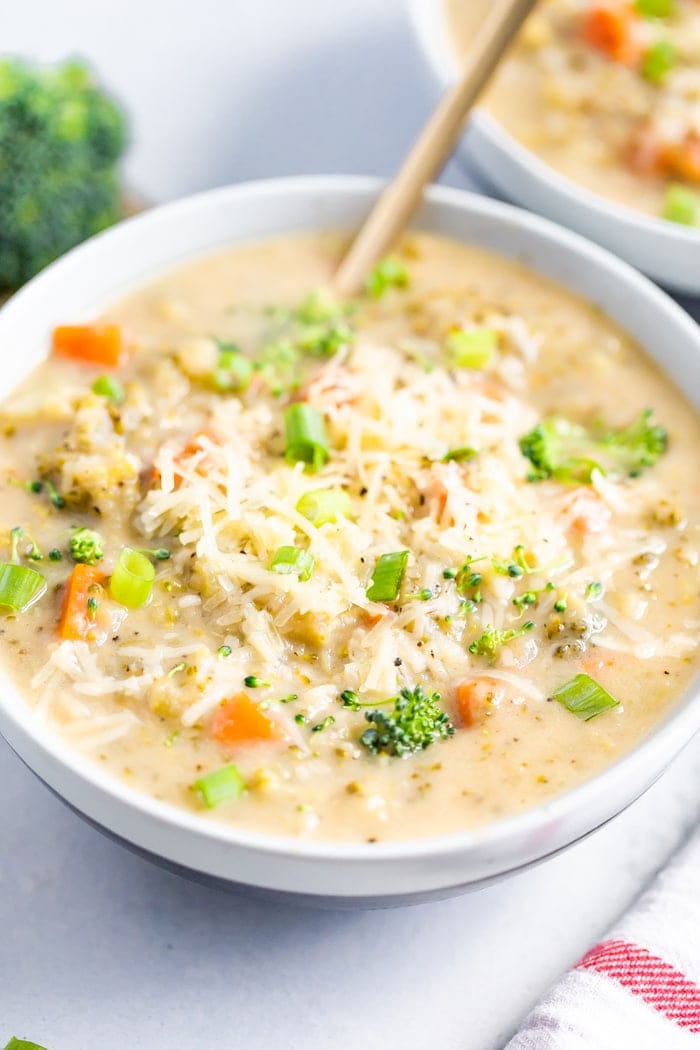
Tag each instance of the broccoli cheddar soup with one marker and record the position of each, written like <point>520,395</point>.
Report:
<point>608,93</point>
<point>349,570</point>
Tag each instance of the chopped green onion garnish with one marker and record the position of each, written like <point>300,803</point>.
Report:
<point>20,586</point>
<point>288,699</point>
<point>293,560</point>
<point>300,719</point>
<point>322,506</point>
<point>219,786</point>
<point>30,549</point>
<point>658,61</point>
<point>584,697</point>
<point>223,651</point>
<point>449,574</point>
<point>387,576</point>
<point>55,554</point>
<point>471,348</point>
<point>593,591</point>
<point>561,605</point>
<point>655,8</point>
<point>131,582</point>
<point>306,436</point>
<point>109,387</point>
<point>460,455</point>
<point>681,205</point>
<point>233,369</point>
<point>388,273</point>
<point>253,682</point>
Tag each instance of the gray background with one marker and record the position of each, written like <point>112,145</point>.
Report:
<point>99,948</point>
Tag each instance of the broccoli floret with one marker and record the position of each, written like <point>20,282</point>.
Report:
<point>60,139</point>
<point>86,546</point>
<point>493,640</point>
<point>567,452</point>
<point>637,446</point>
<point>415,722</point>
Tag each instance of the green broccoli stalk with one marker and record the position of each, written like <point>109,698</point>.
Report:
<point>493,640</point>
<point>415,722</point>
<point>60,139</point>
<point>86,546</point>
<point>568,452</point>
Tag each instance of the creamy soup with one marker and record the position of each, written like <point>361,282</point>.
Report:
<point>608,93</point>
<point>357,571</point>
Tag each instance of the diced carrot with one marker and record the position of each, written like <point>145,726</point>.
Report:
<point>240,722</point>
<point>682,159</point>
<point>476,698</point>
<point>586,512</point>
<point>99,345</point>
<point>76,621</point>
<point>371,618</point>
<point>611,29</point>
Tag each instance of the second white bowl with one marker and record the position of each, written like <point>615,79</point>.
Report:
<point>668,252</point>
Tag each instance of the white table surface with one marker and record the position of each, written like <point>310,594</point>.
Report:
<point>99,948</point>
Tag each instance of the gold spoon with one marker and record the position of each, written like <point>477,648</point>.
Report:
<point>396,205</point>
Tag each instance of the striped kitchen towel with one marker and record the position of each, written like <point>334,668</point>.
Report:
<point>639,988</point>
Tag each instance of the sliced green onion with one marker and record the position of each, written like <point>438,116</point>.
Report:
<point>131,582</point>
<point>20,586</point>
<point>460,455</point>
<point>306,436</point>
<point>388,273</point>
<point>109,387</point>
<point>472,348</point>
<point>584,697</point>
<point>55,554</point>
<point>322,506</point>
<point>658,61</point>
<point>233,369</point>
<point>593,591</point>
<point>655,8</point>
<point>221,785</point>
<point>224,651</point>
<point>681,205</point>
<point>293,560</point>
<point>387,576</point>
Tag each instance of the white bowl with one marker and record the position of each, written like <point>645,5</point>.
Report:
<point>110,265</point>
<point>667,251</point>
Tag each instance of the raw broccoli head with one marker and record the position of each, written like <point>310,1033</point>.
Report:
<point>414,723</point>
<point>60,139</point>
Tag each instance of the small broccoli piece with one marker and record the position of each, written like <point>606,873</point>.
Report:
<point>60,139</point>
<point>414,723</point>
<point>86,546</point>
<point>637,446</point>
<point>493,640</point>
<point>567,452</point>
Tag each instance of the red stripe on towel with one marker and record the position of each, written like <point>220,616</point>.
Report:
<point>653,979</point>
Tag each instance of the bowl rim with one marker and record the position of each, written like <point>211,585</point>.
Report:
<point>431,29</point>
<point>669,736</point>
